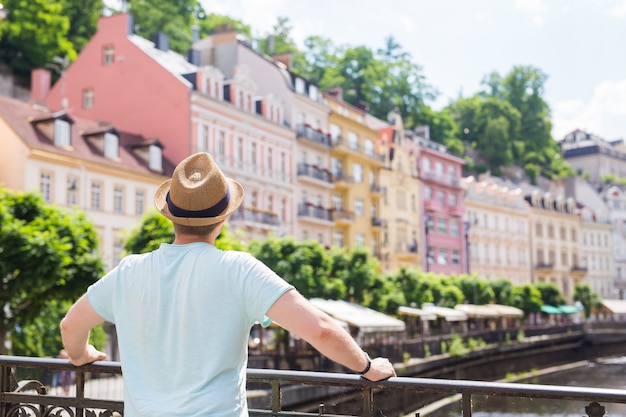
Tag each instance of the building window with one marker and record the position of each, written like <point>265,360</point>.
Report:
<point>111,145</point>
<point>442,256</point>
<point>368,146</point>
<point>353,140</point>
<point>359,239</point>
<point>430,257</point>
<point>338,238</point>
<point>359,208</point>
<point>452,200</point>
<point>442,226</point>
<point>400,200</point>
<point>118,248</point>
<point>441,197</point>
<point>428,193</point>
<point>337,201</point>
<point>156,158</point>
<point>45,186</point>
<point>203,138</point>
<point>221,144</point>
<point>96,196</point>
<point>88,98</point>
<point>118,199</point>
<point>72,191</point>
<point>61,132</point>
<point>551,231</point>
<point>140,202</point>
<point>538,230</point>
<point>426,165</point>
<point>108,55</point>
<point>455,258</point>
<point>454,228</point>
<point>357,172</point>
<point>563,233</point>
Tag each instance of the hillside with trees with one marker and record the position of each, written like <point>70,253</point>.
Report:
<point>506,124</point>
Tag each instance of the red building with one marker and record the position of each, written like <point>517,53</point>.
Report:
<point>444,233</point>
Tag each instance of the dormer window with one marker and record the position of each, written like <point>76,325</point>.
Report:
<point>313,93</point>
<point>300,86</point>
<point>111,145</point>
<point>156,158</point>
<point>61,132</point>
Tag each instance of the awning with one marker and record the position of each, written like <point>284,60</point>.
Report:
<point>416,312</point>
<point>477,311</point>
<point>550,309</point>
<point>366,319</point>
<point>615,306</point>
<point>506,311</point>
<point>449,314</point>
<point>569,309</point>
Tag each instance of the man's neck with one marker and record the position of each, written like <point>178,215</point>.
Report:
<point>186,239</point>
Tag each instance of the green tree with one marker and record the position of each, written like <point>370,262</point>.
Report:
<point>588,298</point>
<point>33,33</point>
<point>550,294</point>
<point>42,338</point>
<point>173,18</point>
<point>502,291</point>
<point>46,254</point>
<point>527,298</point>
<point>83,16</point>
<point>214,22</point>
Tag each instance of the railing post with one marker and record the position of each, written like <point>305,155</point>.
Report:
<point>467,404</point>
<point>276,396</point>
<point>80,390</point>
<point>368,402</point>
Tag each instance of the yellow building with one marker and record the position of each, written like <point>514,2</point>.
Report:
<point>355,165</point>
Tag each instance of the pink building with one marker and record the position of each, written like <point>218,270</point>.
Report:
<point>145,88</point>
<point>444,233</point>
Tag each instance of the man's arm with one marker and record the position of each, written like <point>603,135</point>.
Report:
<point>75,328</point>
<point>296,314</point>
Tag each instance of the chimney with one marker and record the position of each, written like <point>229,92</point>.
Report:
<point>286,58</point>
<point>195,34</point>
<point>161,42</point>
<point>39,85</point>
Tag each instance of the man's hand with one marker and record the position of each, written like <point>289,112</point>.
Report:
<point>91,354</point>
<point>380,369</point>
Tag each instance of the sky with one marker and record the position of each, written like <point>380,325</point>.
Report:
<point>579,44</point>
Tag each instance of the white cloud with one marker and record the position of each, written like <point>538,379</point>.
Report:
<point>604,114</point>
<point>537,9</point>
<point>618,10</point>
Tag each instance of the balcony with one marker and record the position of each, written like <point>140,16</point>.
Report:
<point>544,266</point>
<point>255,216</point>
<point>378,190</point>
<point>312,135</point>
<point>30,397</point>
<point>314,172</point>
<point>343,216</point>
<point>308,210</point>
<point>342,145</point>
<point>441,179</point>
<point>343,180</point>
<point>377,222</point>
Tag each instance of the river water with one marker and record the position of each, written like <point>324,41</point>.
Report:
<point>609,373</point>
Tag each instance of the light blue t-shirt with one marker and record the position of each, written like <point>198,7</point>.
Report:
<point>183,315</point>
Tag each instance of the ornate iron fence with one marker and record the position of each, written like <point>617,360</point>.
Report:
<point>25,391</point>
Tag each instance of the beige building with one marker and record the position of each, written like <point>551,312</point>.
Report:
<point>77,163</point>
<point>497,225</point>
<point>597,253</point>
<point>555,230</point>
<point>400,206</point>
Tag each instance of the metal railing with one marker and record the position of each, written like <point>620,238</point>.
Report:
<point>29,397</point>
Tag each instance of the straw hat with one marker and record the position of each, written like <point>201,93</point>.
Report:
<point>198,194</point>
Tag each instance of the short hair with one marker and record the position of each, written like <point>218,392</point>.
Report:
<point>195,230</point>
